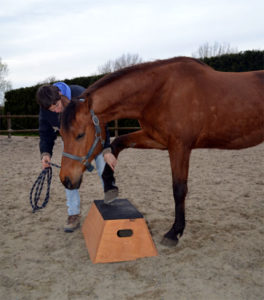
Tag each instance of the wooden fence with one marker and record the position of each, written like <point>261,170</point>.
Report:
<point>9,130</point>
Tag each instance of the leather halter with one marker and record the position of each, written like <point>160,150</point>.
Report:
<point>84,159</point>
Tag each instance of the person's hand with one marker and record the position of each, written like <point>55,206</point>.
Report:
<point>110,160</point>
<point>45,161</point>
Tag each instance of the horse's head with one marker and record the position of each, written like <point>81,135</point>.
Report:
<point>83,139</point>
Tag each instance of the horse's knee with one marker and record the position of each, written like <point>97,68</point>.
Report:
<point>116,146</point>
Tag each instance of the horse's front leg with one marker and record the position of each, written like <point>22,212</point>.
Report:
<point>139,139</point>
<point>179,159</point>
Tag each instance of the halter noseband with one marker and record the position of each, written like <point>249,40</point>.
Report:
<point>84,159</point>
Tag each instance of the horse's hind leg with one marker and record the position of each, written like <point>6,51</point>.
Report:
<point>179,158</point>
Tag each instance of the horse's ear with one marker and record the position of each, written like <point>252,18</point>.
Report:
<point>64,101</point>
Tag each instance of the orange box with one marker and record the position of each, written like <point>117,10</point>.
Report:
<point>116,232</point>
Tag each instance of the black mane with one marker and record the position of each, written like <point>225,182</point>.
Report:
<point>69,112</point>
<point>68,115</point>
<point>143,66</point>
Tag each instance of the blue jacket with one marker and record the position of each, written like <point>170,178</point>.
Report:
<point>49,122</point>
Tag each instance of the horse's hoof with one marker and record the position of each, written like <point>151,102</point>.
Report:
<point>169,242</point>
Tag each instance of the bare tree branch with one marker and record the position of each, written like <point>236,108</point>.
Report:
<point>216,49</point>
<point>5,85</point>
<point>48,80</point>
<point>123,61</point>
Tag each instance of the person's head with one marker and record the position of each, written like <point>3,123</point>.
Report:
<point>49,97</point>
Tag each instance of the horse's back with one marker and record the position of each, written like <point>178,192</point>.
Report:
<point>214,109</point>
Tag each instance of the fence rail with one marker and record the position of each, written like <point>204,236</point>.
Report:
<point>9,129</point>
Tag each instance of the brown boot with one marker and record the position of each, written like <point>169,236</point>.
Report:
<point>73,222</point>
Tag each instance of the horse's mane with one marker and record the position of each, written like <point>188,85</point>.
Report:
<point>68,114</point>
<point>139,67</point>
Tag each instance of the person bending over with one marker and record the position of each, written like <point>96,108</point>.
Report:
<point>50,99</point>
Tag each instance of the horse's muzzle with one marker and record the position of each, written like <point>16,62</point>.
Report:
<point>71,186</point>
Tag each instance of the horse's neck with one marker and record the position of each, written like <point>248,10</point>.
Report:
<point>125,98</point>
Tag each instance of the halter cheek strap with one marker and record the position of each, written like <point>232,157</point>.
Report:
<point>85,159</point>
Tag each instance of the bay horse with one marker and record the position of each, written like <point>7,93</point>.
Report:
<point>181,104</point>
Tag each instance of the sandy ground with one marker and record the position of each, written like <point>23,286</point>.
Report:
<point>220,256</point>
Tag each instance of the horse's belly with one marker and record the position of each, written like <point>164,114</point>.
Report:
<point>230,140</point>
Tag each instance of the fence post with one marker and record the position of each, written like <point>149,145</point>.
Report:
<point>9,124</point>
<point>116,128</point>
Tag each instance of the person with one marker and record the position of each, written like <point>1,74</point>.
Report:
<point>49,98</point>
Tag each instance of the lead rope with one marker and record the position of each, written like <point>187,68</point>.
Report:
<point>38,185</point>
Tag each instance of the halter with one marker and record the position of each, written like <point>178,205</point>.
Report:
<point>84,159</point>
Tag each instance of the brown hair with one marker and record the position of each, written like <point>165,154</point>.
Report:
<point>47,95</point>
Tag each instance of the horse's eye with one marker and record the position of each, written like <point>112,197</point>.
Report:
<point>79,136</point>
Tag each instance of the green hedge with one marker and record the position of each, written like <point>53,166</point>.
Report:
<point>23,102</point>
<point>240,62</point>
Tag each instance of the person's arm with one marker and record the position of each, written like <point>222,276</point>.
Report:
<point>109,158</point>
<point>47,138</point>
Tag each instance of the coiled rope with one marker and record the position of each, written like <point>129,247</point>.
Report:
<point>37,188</point>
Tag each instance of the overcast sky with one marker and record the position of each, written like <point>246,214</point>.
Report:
<point>70,38</point>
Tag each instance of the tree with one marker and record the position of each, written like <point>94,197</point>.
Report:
<point>123,61</point>
<point>217,49</point>
<point>48,80</point>
<point>4,84</point>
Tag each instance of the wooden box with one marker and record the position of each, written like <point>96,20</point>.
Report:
<point>116,232</point>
